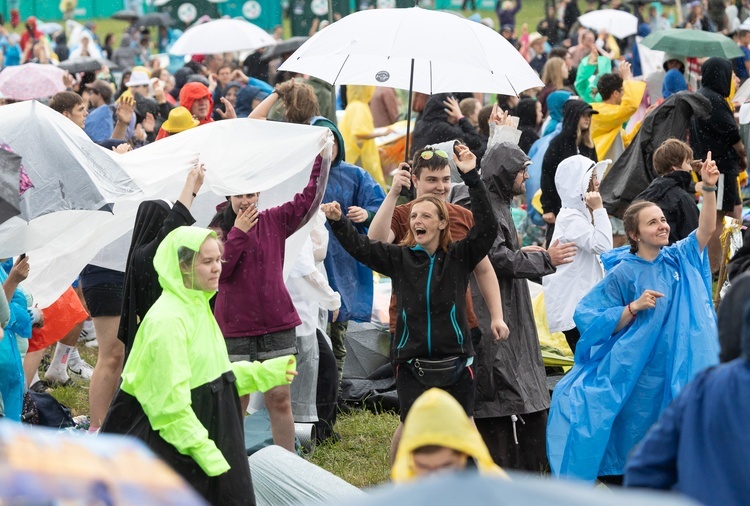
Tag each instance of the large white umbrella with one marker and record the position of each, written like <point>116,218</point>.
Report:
<point>621,24</point>
<point>448,53</point>
<point>222,36</point>
<point>417,50</point>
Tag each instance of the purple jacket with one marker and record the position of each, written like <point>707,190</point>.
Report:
<point>252,298</point>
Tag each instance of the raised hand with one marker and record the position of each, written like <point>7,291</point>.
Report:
<point>594,200</point>
<point>332,211</point>
<point>230,112</point>
<point>709,171</point>
<point>464,158</point>
<point>401,179</point>
<point>125,109</point>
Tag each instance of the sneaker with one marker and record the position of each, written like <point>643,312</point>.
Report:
<point>87,334</point>
<point>81,370</point>
<point>54,377</point>
<point>94,343</point>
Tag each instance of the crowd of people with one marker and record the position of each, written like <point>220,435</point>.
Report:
<point>607,188</point>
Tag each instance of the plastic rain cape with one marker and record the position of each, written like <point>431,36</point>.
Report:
<point>240,156</point>
<point>621,383</point>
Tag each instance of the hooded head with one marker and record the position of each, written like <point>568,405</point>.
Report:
<point>555,102</point>
<point>436,419</point>
<point>668,57</point>
<point>325,122</point>
<point>526,112</point>
<point>176,262</point>
<point>31,23</point>
<point>126,41</point>
<point>434,109</point>
<point>716,74</point>
<point>196,91</point>
<point>674,82</point>
<point>245,97</point>
<point>357,93</point>
<point>500,165</point>
<point>572,180</point>
<point>572,112</point>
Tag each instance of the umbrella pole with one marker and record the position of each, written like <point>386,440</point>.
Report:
<point>408,112</point>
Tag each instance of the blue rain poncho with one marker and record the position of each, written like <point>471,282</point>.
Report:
<point>349,185</point>
<point>621,383</point>
<point>534,183</point>
<point>11,366</point>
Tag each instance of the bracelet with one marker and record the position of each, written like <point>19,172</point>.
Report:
<point>631,311</point>
<point>195,194</point>
<point>710,188</point>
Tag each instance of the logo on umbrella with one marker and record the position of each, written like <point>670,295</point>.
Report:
<point>382,76</point>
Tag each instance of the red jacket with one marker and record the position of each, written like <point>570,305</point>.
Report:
<point>252,298</point>
<point>194,91</point>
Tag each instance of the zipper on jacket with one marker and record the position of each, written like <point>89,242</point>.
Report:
<point>404,333</point>
<point>457,328</point>
<point>429,308</point>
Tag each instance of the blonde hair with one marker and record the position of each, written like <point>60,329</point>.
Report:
<point>445,234</point>
<point>552,73</point>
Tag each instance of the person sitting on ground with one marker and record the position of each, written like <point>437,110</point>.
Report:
<point>179,392</point>
<point>673,191</point>
<point>439,437</point>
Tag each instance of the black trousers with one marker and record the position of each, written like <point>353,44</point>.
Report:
<point>525,449</point>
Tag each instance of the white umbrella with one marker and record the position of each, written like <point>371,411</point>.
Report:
<point>621,24</point>
<point>222,36</point>
<point>414,49</point>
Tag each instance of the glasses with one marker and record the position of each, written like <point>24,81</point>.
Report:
<point>428,154</point>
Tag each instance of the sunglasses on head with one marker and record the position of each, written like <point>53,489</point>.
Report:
<point>428,154</point>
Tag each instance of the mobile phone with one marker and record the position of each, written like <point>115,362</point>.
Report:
<point>456,144</point>
<point>22,256</point>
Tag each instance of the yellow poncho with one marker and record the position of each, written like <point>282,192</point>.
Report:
<point>357,122</point>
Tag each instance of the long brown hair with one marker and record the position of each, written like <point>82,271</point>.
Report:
<point>445,234</point>
<point>552,74</point>
<point>630,221</point>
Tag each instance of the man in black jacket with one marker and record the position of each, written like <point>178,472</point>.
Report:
<point>673,190</point>
<point>720,135</point>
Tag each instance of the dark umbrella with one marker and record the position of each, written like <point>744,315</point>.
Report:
<point>87,64</point>
<point>284,47</point>
<point>127,15</point>
<point>154,19</point>
<point>10,173</point>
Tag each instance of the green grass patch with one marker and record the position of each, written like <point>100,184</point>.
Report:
<point>362,456</point>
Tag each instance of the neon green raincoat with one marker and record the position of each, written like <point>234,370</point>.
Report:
<point>180,393</point>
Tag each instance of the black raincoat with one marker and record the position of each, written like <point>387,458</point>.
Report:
<point>153,223</point>
<point>433,127</point>
<point>634,170</point>
<point>510,374</point>
<point>526,111</point>
<point>719,131</point>
<point>673,194</point>
<point>561,147</point>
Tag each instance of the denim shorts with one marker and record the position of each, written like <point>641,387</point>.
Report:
<point>252,348</point>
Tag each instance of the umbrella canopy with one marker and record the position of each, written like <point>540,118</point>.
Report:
<point>30,81</point>
<point>471,488</point>
<point>621,24</point>
<point>367,349</point>
<point>10,174</point>
<point>67,170</point>
<point>118,470</point>
<point>154,19</point>
<point>695,43</point>
<point>283,47</point>
<point>87,64</point>
<point>126,15</point>
<point>222,36</point>
<point>386,47</point>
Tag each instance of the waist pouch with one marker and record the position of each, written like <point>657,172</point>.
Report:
<point>437,373</point>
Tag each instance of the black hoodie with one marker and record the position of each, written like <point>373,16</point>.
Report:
<point>561,147</point>
<point>672,194</point>
<point>433,128</point>
<point>526,112</point>
<point>719,132</point>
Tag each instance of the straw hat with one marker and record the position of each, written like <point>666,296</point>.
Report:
<point>179,120</point>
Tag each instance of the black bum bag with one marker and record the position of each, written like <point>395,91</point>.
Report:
<point>437,373</point>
